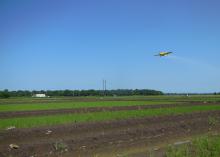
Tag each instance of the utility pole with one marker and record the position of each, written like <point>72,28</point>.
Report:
<point>104,87</point>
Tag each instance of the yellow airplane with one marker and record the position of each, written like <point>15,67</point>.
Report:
<point>163,54</point>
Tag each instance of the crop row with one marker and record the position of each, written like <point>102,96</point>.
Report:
<point>29,122</point>
<point>71,105</point>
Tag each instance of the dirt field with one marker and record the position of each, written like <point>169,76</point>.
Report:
<point>137,137</point>
<point>133,137</point>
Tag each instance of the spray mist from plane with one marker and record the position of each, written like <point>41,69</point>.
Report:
<point>187,61</point>
<point>194,63</point>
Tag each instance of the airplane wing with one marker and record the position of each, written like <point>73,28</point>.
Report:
<point>166,54</point>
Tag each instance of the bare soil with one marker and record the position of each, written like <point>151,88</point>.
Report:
<point>108,138</point>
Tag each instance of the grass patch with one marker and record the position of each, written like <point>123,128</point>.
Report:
<point>28,122</point>
<point>71,105</point>
<point>207,146</point>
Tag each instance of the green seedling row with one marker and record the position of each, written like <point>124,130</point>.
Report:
<point>29,122</point>
<point>72,105</point>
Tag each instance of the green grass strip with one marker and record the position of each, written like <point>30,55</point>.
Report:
<point>28,122</point>
<point>71,105</point>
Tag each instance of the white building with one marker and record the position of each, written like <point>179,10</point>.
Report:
<point>40,95</point>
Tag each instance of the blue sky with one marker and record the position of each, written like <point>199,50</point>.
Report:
<point>69,44</point>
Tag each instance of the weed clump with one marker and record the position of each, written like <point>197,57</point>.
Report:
<point>60,146</point>
<point>212,121</point>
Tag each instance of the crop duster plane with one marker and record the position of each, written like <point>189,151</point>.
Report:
<point>163,54</point>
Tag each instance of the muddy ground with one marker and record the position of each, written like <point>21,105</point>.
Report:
<point>13,114</point>
<point>113,138</point>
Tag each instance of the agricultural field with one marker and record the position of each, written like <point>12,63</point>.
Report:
<point>136,126</point>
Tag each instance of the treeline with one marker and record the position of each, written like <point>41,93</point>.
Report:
<point>51,93</point>
<point>215,93</point>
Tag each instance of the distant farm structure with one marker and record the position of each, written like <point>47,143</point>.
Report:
<point>40,96</point>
